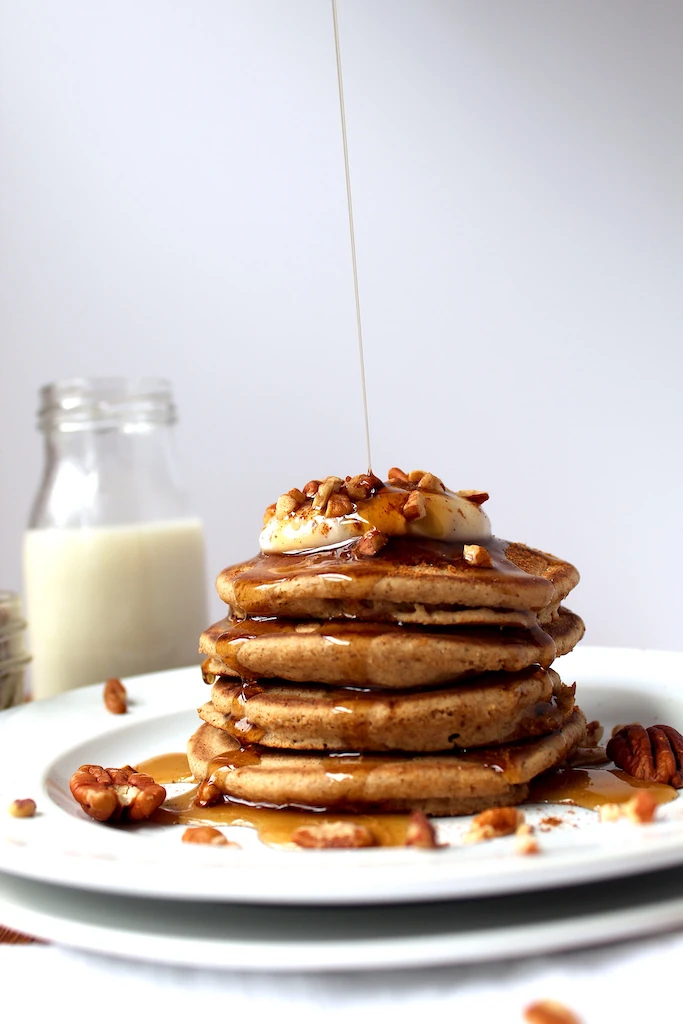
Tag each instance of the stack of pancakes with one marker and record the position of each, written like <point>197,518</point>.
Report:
<point>393,672</point>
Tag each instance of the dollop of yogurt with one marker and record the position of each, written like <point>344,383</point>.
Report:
<point>447,516</point>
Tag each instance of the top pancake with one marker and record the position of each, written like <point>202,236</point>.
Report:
<point>410,580</point>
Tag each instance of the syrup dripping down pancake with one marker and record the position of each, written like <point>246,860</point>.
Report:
<point>493,708</point>
<point>348,653</point>
<point>439,784</point>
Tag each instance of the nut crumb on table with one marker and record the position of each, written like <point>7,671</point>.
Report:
<point>548,1011</point>
<point>22,808</point>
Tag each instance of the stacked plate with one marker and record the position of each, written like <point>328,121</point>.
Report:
<point>140,892</point>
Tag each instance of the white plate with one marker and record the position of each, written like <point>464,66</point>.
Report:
<point>263,938</point>
<point>43,743</point>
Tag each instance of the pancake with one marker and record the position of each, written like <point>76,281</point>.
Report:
<point>496,708</point>
<point>440,784</point>
<point>369,654</point>
<point>348,653</point>
<point>408,580</point>
<point>566,630</point>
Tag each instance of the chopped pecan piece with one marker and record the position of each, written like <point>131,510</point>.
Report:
<point>547,1011</point>
<point>339,505</point>
<point>525,843</point>
<point>327,488</point>
<point>415,506</point>
<point>654,754</point>
<point>429,482</point>
<point>269,513</point>
<point>370,543</point>
<point>594,733</point>
<point>397,477</point>
<point>333,835</point>
<point>113,794</point>
<point>475,554</point>
<point>299,496</point>
<point>207,794</point>
<point>640,809</point>
<point>476,497</point>
<point>584,757</point>
<point>416,475</point>
<point>22,808</point>
<point>311,488</point>
<point>208,835</point>
<point>115,697</point>
<point>361,487</point>
<point>493,823</point>
<point>420,832</point>
<point>284,505</point>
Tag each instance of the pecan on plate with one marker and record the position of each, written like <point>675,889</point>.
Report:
<point>420,832</point>
<point>548,1011</point>
<point>115,794</point>
<point>654,754</point>
<point>493,823</point>
<point>115,697</point>
<point>333,835</point>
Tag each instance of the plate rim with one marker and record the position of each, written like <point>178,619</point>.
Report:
<point>436,868</point>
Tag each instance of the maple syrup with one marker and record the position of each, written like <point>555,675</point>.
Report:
<point>229,635</point>
<point>593,787</point>
<point>275,825</point>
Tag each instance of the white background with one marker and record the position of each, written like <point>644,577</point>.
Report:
<point>172,201</point>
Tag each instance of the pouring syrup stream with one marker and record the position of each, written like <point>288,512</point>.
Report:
<point>354,264</point>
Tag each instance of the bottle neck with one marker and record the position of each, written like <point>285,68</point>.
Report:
<point>109,458</point>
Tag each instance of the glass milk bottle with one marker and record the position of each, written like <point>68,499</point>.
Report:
<point>114,571</point>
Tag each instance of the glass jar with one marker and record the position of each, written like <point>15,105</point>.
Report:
<point>13,656</point>
<point>114,565</point>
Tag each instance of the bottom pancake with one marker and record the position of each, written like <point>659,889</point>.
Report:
<point>498,708</point>
<point>437,784</point>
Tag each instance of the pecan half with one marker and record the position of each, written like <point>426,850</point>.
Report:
<point>333,835</point>
<point>115,697</point>
<point>370,543</point>
<point>114,794</point>
<point>654,754</point>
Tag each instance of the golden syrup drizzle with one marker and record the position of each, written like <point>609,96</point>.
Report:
<point>592,787</point>
<point>342,111</point>
<point>581,787</point>
<point>166,769</point>
<point>275,825</point>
